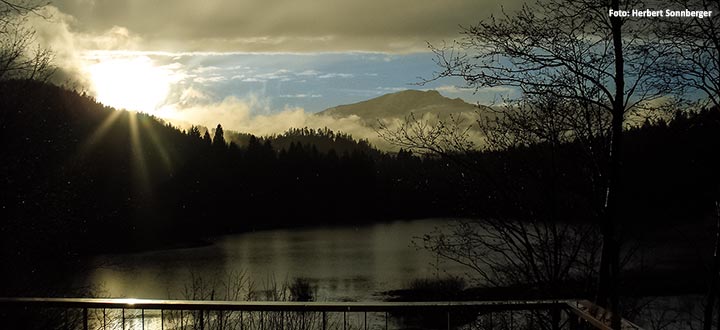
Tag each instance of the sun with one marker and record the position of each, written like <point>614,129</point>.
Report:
<point>133,83</point>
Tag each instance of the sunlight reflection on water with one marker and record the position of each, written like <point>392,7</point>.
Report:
<point>343,263</point>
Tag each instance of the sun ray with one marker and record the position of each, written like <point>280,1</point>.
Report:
<point>100,132</point>
<point>158,145</point>
<point>138,126</point>
<point>138,155</point>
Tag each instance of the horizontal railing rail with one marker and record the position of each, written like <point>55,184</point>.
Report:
<point>159,304</point>
<point>577,311</point>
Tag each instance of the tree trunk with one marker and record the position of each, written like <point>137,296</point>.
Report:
<point>608,295</point>
<point>610,259</point>
<point>712,290</point>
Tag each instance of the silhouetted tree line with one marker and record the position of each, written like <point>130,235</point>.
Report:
<point>79,177</point>
<point>671,165</point>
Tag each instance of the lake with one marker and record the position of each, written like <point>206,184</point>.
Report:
<point>355,263</point>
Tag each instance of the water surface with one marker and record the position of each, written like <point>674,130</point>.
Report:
<point>343,263</point>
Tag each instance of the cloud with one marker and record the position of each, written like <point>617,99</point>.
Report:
<point>192,95</point>
<point>253,114</point>
<point>240,114</point>
<point>309,73</point>
<point>452,89</point>
<point>300,96</point>
<point>211,79</point>
<point>498,89</point>
<point>392,89</point>
<point>282,75</point>
<point>336,75</point>
<point>114,38</point>
<point>52,31</point>
<point>56,31</point>
<point>399,26</point>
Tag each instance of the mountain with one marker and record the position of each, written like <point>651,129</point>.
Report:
<point>402,104</point>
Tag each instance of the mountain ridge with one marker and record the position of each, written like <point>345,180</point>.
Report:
<point>402,104</point>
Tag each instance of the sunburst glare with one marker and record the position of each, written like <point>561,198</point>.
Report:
<point>131,83</point>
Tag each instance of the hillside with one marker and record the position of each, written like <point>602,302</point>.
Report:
<point>402,104</point>
<point>74,168</point>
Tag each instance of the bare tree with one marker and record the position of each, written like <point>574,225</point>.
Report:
<point>693,61</point>
<point>534,246</point>
<point>601,65</point>
<point>20,58</point>
<point>693,44</point>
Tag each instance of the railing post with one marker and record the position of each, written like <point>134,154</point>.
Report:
<point>202,319</point>
<point>162,319</point>
<point>386,320</point>
<point>365,323</point>
<point>123,318</point>
<point>448,319</point>
<point>242,322</point>
<point>555,318</point>
<point>85,318</point>
<point>220,316</point>
<point>532,319</point>
<point>142,319</point>
<point>324,320</point>
<point>104,320</point>
<point>512,319</point>
<point>344,320</point>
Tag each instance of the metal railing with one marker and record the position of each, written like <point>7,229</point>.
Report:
<point>92,313</point>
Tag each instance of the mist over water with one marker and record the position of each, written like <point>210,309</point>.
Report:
<point>343,263</point>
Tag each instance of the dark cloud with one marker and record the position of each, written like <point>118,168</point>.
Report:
<point>281,25</point>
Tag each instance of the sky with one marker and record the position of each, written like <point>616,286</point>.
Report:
<point>240,62</point>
